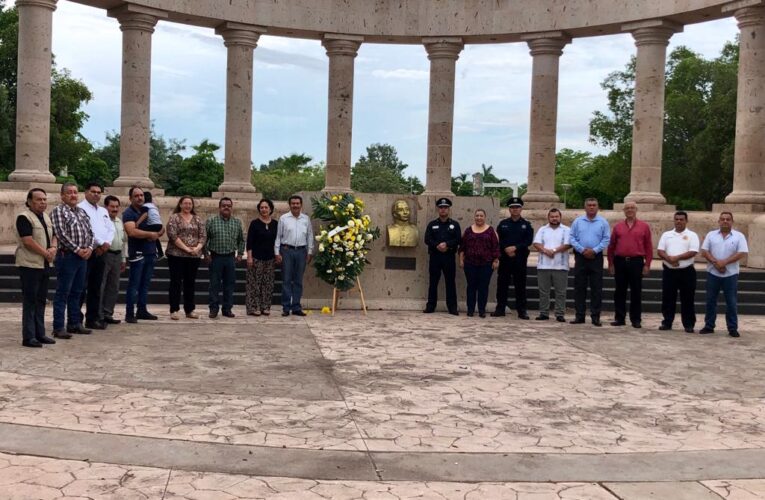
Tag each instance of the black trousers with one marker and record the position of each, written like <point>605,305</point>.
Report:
<point>91,296</point>
<point>588,273</point>
<point>183,276</point>
<point>34,292</point>
<point>628,272</point>
<point>512,270</point>
<point>442,262</point>
<point>683,281</point>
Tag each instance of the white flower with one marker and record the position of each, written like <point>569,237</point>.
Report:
<point>331,208</point>
<point>329,271</point>
<point>341,277</point>
<point>357,246</point>
<point>369,237</point>
<point>351,223</point>
<point>321,248</point>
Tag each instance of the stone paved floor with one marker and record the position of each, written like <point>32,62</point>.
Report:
<point>390,386</point>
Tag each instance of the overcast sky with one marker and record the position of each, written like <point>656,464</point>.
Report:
<point>491,120</point>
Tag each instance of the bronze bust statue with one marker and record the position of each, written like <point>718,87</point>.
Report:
<point>402,233</point>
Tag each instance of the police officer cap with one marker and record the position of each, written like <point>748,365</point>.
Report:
<point>515,202</point>
<point>443,202</point>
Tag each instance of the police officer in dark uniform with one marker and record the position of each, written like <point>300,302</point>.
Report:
<point>515,238</point>
<point>442,237</point>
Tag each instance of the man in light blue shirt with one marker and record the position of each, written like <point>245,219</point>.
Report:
<point>589,236</point>
<point>723,249</point>
<point>294,250</point>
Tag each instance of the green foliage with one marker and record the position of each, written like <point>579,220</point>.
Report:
<point>699,130</point>
<point>381,171</point>
<point>461,186</point>
<point>202,172</point>
<point>344,241</point>
<point>603,177</point>
<point>287,175</point>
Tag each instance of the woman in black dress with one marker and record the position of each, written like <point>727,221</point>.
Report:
<point>260,260</point>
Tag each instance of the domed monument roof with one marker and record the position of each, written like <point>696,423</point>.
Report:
<point>408,21</point>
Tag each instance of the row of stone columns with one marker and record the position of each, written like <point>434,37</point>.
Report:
<point>137,24</point>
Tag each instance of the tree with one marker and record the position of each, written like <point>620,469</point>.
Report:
<point>292,163</point>
<point>461,186</point>
<point>699,130</point>
<point>68,95</point>
<point>381,171</point>
<point>202,172</point>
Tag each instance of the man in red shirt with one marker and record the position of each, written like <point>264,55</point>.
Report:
<point>629,259</point>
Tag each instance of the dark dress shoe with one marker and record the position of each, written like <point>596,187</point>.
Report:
<point>577,321</point>
<point>498,314</point>
<point>285,313</point>
<point>734,333</point>
<point>428,310</point>
<point>112,321</point>
<point>689,330</point>
<point>145,315</point>
<point>31,343</point>
<point>130,319</point>
<point>523,315</point>
<point>482,315</point>
<point>637,325</point>
<point>470,315</point>
<point>615,323</point>
<point>61,334</point>
<point>706,330</point>
<point>664,327</point>
<point>299,313</point>
<point>96,325</point>
<point>560,319</point>
<point>229,314</point>
<point>542,317</point>
<point>596,322</point>
<point>46,340</point>
<point>454,313</point>
<point>79,329</point>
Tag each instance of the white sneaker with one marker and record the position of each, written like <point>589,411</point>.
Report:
<point>174,315</point>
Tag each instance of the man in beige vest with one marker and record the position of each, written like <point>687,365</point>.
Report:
<point>35,253</point>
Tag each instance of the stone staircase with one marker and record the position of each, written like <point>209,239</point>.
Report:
<point>751,288</point>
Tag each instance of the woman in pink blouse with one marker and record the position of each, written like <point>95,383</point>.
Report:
<point>479,256</point>
<point>186,238</point>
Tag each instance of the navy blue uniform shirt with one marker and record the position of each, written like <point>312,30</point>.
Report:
<point>515,233</point>
<point>438,232</point>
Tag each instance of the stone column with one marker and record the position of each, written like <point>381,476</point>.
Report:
<point>240,41</point>
<point>33,97</point>
<point>137,25</point>
<point>651,39</point>
<point>749,156</point>
<point>341,50</point>
<point>546,49</point>
<point>443,54</point>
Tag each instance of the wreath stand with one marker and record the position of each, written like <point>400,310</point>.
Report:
<point>336,297</point>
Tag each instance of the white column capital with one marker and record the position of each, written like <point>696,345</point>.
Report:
<point>443,47</point>
<point>341,45</point>
<point>238,34</point>
<point>547,43</point>
<point>46,4</point>
<point>134,17</point>
<point>652,31</point>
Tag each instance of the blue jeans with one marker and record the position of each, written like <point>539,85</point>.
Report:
<point>222,269</point>
<point>139,281</point>
<point>729,286</point>
<point>293,267</point>
<point>478,278</point>
<point>70,282</point>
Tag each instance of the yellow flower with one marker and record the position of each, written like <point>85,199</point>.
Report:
<point>326,310</point>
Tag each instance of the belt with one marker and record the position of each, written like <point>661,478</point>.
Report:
<point>222,254</point>
<point>292,247</point>
<point>115,251</point>
<point>639,257</point>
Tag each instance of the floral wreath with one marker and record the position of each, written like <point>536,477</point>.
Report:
<point>344,242</point>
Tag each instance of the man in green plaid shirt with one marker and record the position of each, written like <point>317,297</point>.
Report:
<point>223,250</point>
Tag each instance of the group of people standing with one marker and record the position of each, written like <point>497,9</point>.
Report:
<point>89,246</point>
<point>627,248</point>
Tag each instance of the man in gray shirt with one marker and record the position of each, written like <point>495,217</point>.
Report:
<point>294,250</point>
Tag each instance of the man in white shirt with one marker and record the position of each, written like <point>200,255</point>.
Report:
<point>552,243</point>
<point>103,233</point>
<point>677,248</point>
<point>723,249</point>
<point>293,249</point>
